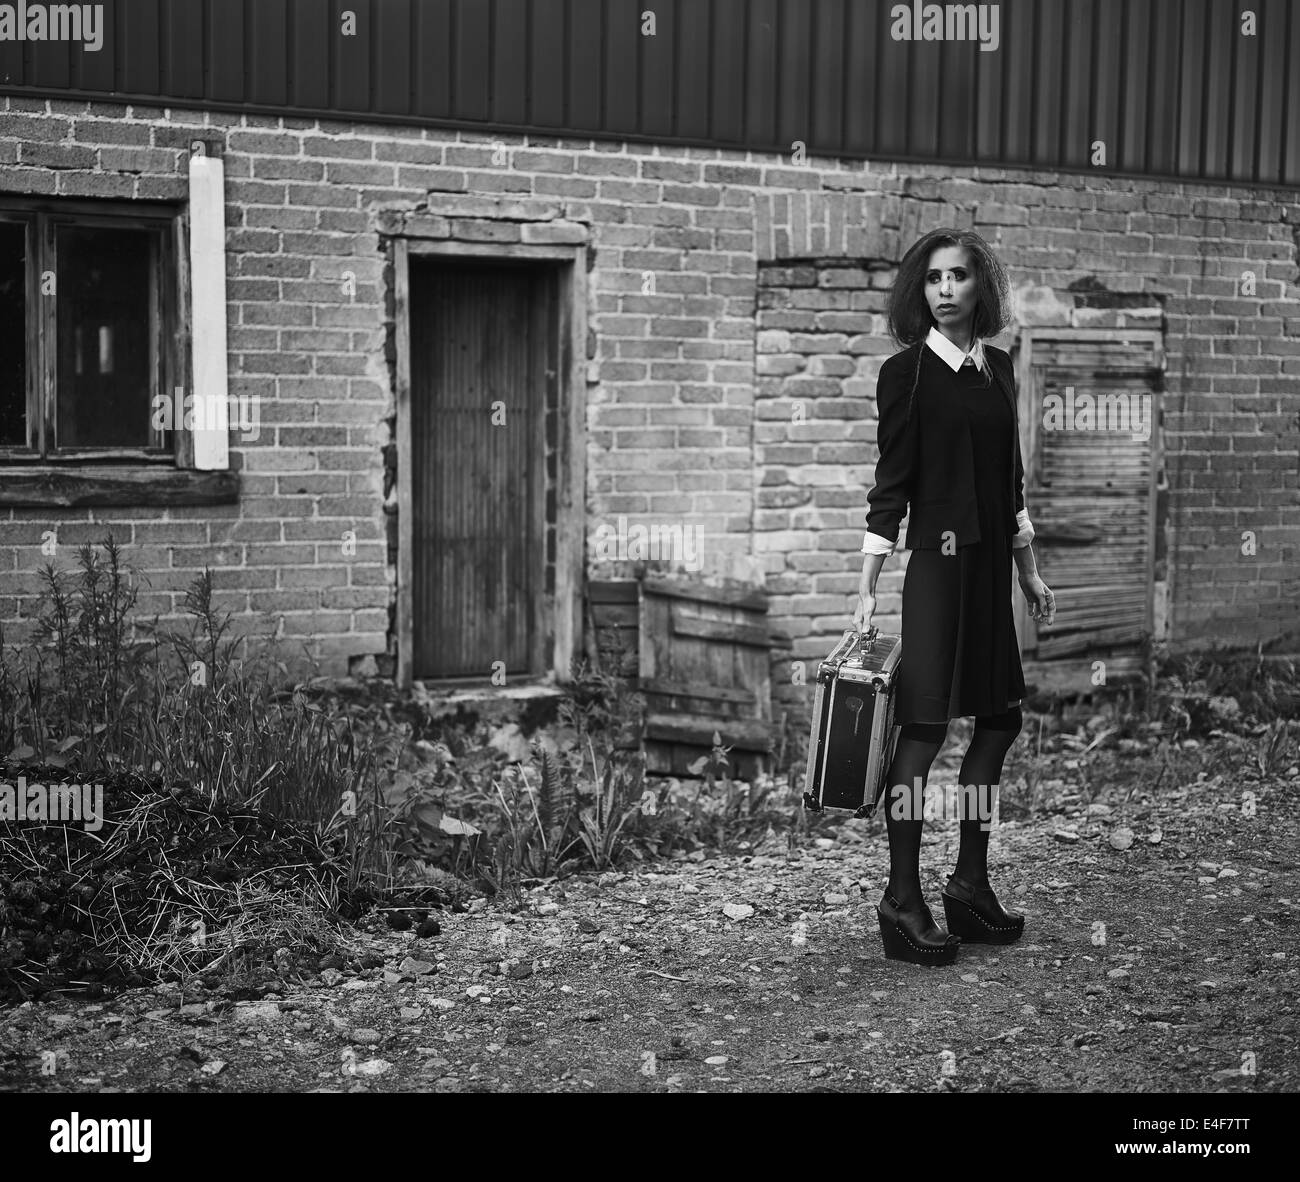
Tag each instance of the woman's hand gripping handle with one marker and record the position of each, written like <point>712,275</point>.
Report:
<point>871,564</point>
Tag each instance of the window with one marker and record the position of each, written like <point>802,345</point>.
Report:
<point>89,300</point>
<point>95,334</point>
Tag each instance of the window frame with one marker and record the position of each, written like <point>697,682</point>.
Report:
<point>42,218</point>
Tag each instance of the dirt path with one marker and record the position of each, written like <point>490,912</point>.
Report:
<point>643,982</point>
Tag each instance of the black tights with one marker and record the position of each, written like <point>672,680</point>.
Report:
<point>918,744</point>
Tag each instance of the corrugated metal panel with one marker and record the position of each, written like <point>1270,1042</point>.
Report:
<point>1170,87</point>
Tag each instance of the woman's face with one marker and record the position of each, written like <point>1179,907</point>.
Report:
<point>950,290</point>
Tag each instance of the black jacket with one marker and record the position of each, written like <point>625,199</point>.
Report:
<point>929,461</point>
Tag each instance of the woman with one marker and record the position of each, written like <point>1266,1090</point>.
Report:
<point>949,447</point>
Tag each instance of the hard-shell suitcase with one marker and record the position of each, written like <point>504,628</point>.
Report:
<point>853,732</point>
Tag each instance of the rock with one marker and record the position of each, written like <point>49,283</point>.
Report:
<point>411,1013</point>
<point>716,1060</point>
<point>816,1072</point>
<point>372,1067</point>
<point>588,926</point>
<point>1121,838</point>
<point>416,968</point>
<point>448,1083</point>
<point>1228,872</point>
<point>476,990</point>
<point>520,972</point>
<point>1066,835</point>
<point>737,911</point>
<point>367,1036</point>
<point>262,1011</point>
<point>213,1067</point>
<point>548,909</point>
<point>689,888</point>
<point>330,977</point>
<point>442,1003</point>
<point>1116,974</point>
<point>1155,837</point>
<point>391,978</point>
<point>834,899</point>
<point>824,843</point>
<point>591,1016</point>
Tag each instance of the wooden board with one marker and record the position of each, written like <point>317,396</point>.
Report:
<point>713,638</point>
<point>699,652</point>
<point>1090,492</point>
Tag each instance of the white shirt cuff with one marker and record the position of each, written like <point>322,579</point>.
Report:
<point>875,544</point>
<point>1025,533</point>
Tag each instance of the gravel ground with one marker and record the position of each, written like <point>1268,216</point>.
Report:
<point>1158,956</point>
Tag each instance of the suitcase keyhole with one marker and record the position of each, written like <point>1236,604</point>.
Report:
<point>855,704</point>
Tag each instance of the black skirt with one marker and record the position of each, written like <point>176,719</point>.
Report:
<point>960,653</point>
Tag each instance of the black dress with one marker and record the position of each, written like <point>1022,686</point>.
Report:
<point>960,653</point>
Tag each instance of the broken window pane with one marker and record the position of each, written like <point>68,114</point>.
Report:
<point>13,335</point>
<point>107,328</point>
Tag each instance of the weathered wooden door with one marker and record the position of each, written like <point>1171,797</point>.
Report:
<point>700,653</point>
<point>1090,436</point>
<point>482,402</point>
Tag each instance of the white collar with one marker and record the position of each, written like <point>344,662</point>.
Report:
<point>953,355</point>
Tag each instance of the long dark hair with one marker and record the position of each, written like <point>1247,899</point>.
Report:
<point>909,316</point>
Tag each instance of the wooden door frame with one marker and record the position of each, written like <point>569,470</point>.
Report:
<point>1029,419</point>
<point>564,608</point>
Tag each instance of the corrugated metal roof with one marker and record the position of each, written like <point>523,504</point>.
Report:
<point>1172,88</point>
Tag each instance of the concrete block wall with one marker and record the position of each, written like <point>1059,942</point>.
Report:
<point>691,379</point>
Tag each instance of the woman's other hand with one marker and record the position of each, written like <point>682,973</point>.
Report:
<point>1042,603</point>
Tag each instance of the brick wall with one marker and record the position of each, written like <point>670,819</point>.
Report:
<point>700,265</point>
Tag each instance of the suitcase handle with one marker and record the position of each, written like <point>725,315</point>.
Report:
<point>867,640</point>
